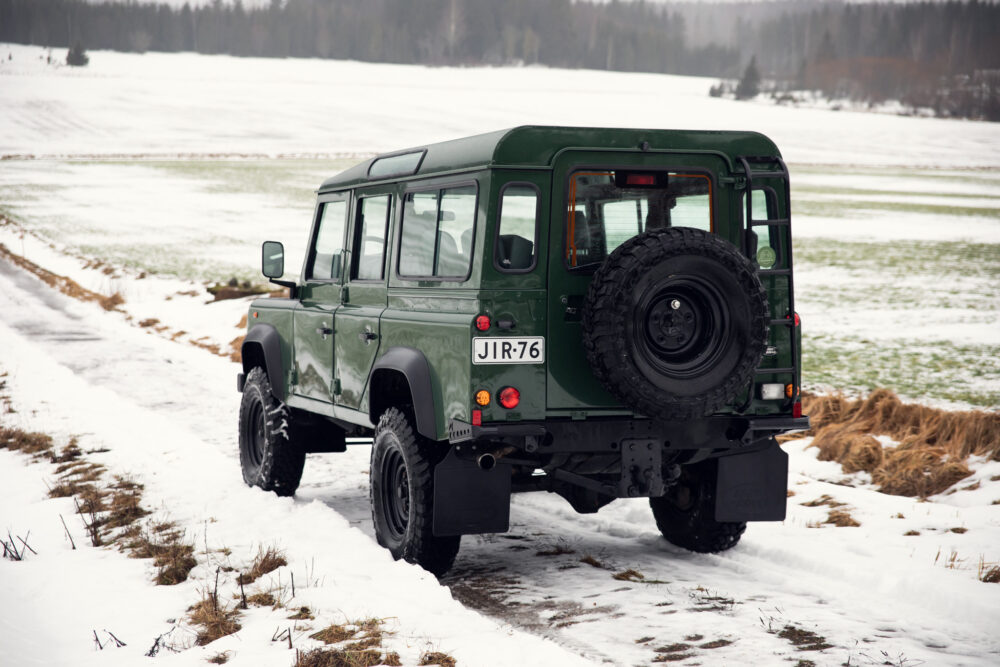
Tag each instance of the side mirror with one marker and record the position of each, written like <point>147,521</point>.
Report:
<point>272,262</point>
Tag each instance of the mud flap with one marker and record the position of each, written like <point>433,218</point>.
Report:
<point>752,486</point>
<point>469,500</point>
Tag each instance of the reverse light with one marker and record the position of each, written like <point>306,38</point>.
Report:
<point>483,322</point>
<point>482,397</point>
<point>772,391</point>
<point>509,397</point>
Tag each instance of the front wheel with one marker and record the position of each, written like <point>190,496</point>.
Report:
<point>268,456</point>
<point>685,515</point>
<point>401,485</point>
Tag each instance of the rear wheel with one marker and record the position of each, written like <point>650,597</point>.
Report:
<point>685,515</point>
<point>268,456</point>
<point>402,494</point>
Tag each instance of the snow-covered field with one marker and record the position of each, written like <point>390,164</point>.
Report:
<point>170,169</point>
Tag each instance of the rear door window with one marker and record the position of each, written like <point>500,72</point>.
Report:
<point>606,208</point>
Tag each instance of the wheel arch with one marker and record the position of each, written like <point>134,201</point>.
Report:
<point>403,375</point>
<point>262,347</point>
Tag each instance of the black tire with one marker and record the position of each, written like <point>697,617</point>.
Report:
<point>675,322</point>
<point>686,514</point>
<point>401,485</point>
<point>268,455</point>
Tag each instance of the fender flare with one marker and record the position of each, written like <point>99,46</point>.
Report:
<point>266,338</point>
<point>413,365</point>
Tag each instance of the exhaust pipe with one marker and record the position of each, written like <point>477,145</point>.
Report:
<point>486,461</point>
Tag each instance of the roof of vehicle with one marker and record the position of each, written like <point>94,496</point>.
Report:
<point>537,146</point>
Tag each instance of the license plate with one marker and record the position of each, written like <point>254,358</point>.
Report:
<point>526,350</point>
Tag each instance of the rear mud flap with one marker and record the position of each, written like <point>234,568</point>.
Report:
<point>752,486</point>
<point>469,500</point>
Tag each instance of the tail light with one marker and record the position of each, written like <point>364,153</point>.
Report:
<point>483,322</point>
<point>796,409</point>
<point>510,397</point>
<point>477,417</point>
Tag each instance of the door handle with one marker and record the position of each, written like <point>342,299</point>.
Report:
<point>367,336</point>
<point>324,331</point>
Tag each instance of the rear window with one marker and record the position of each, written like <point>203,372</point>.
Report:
<point>606,208</point>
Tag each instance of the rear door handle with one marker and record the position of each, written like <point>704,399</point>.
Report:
<point>324,331</point>
<point>367,336</point>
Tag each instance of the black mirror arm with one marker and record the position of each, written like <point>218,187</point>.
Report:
<point>291,285</point>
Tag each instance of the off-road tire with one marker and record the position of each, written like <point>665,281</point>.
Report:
<point>686,514</point>
<point>675,322</point>
<point>268,454</point>
<point>401,485</point>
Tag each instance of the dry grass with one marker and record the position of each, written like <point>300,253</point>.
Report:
<point>216,620</point>
<point>823,500</point>
<point>261,600</point>
<point>164,543</point>
<point>220,658</point>
<point>303,614</point>
<point>437,658</point>
<point>35,444</point>
<point>629,575</point>
<point>324,657</point>
<point>841,519</point>
<point>934,444</point>
<point>65,285</point>
<point>124,508</point>
<point>591,561</point>
<point>266,560</point>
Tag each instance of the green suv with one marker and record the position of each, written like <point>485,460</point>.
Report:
<point>598,313</point>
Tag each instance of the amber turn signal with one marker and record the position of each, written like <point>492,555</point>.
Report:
<point>482,397</point>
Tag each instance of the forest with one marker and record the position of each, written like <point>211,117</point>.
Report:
<point>933,55</point>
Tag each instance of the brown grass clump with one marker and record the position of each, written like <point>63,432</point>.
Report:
<point>215,620</point>
<point>266,560</point>
<point>392,659</point>
<point>303,614</point>
<point>934,444</point>
<point>164,543</point>
<point>629,575</point>
<point>841,519</point>
<point>324,657</point>
<point>591,561</point>
<point>437,658</point>
<point>65,285</point>
<point>334,634</point>
<point>236,348</point>
<point>219,658</point>
<point>14,439</point>
<point>990,575</point>
<point>261,600</point>
<point>824,500</point>
<point>124,508</point>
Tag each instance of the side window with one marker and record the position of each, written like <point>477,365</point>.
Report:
<point>437,234</point>
<point>517,230</point>
<point>369,243</point>
<point>324,260</point>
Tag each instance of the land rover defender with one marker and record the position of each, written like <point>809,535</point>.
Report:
<point>597,313</point>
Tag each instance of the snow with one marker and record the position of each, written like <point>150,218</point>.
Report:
<point>184,103</point>
<point>166,410</point>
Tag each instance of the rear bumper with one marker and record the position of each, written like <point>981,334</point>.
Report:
<point>600,434</point>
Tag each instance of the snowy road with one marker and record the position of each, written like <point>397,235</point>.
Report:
<point>167,412</point>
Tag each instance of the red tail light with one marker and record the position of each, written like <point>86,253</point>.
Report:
<point>509,397</point>
<point>796,409</point>
<point>483,322</point>
<point>477,417</point>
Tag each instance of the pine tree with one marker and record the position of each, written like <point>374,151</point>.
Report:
<point>749,85</point>
<point>76,56</point>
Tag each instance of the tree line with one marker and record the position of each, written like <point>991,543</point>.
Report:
<point>868,51</point>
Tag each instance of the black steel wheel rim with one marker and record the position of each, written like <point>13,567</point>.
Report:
<point>681,329</point>
<point>257,440</point>
<point>395,492</point>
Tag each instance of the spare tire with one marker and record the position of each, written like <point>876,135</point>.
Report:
<point>675,322</point>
